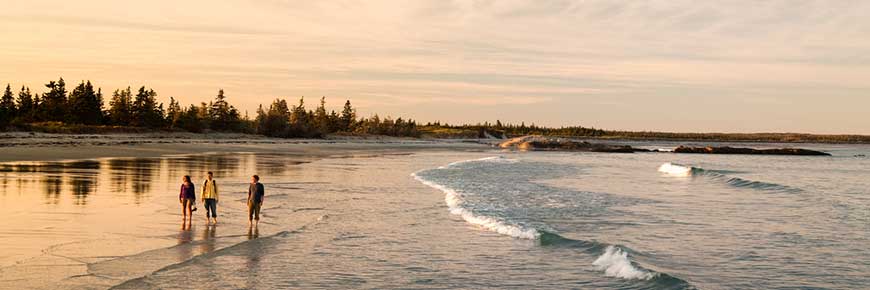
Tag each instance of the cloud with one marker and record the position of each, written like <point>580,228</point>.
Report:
<point>586,55</point>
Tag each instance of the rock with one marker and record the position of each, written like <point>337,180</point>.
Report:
<point>541,143</point>
<point>751,151</point>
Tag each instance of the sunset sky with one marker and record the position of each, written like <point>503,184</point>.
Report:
<point>726,66</point>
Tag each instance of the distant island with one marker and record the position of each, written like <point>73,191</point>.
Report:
<point>84,110</point>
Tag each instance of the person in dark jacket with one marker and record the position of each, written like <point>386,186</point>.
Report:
<point>256,193</point>
<point>187,197</point>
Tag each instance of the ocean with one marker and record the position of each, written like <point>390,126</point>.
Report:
<point>447,219</point>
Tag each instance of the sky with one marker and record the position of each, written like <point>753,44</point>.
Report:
<point>688,66</point>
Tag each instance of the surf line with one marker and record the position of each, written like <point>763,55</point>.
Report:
<point>613,260</point>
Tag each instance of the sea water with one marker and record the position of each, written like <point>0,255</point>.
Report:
<point>481,218</point>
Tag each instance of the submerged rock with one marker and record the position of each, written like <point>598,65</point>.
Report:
<point>737,150</point>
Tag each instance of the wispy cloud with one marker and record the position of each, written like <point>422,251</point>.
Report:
<point>560,62</point>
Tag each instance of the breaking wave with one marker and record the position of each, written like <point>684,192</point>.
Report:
<point>679,170</point>
<point>455,202</point>
<point>615,263</point>
<point>612,260</point>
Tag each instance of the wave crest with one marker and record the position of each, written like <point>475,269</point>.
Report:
<point>455,203</point>
<point>674,169</point>
<point>615,263</point>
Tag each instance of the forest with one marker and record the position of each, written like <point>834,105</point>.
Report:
<point>87,109</point>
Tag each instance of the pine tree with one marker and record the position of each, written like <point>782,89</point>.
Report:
<point>145,110</point>
<point>173,113</point>
<point>348,117</point>
<point>121,107</point>
<point>334,122</point>
<point>189,119</point>
<point>276,121</point>
<point>8,110</point>
<point>26,106</point>
<point>54,103</point>
<point>223,116</point>
<point>300,121</point>
<point>85,105</point>
<point>321,118</point>
<point>298,116</point>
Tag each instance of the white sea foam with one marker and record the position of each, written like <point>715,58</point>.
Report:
<point>455,203</point>
<point>494,159</point>
<point>675,169</point>
<point>615,263</point>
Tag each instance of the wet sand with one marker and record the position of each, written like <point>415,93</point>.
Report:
<point>91,217</point>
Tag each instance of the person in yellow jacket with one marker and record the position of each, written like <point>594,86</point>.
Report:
<point>210,198</point>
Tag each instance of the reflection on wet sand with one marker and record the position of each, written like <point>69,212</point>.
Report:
<point>100,223</point>
<point>252,262</point>
<point>133,178</point>
<point>253,232</point>
<point>52,185</point>
<point>208,236</point>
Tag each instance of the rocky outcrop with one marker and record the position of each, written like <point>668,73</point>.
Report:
<point>541,143</point>
<point>737,150</point>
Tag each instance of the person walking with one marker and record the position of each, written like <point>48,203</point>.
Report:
<point>256,193</point>
<point>210,198</point>
<point>187,197</point>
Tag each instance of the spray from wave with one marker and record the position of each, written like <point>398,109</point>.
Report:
<point>678,170</point>
<point>615,263</point>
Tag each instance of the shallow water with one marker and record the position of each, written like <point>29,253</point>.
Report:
<point>426,219</point>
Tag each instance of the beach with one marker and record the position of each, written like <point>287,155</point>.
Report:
<point>98,215</point>
<point>429,214</point>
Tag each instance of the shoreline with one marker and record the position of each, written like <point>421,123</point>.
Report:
<point>22,147</point>
<point>103,254</point>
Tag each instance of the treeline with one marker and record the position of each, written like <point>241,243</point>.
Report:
<point>85,106</point>
<point>508,130</point>
<point>741,137</point>
<point>281,120</point>
<point>499,130</point>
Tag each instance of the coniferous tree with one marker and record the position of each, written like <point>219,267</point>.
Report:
<point>348,117</point>
<point>8,110</point>
<point>276,121</point>
<point>37,105</point>
<point>121,108</point>
<point>334,122</point>
<point>190,119</point>
<point>321,118</point>
<point>146,112</point>
<point>224,117</point>
<point>173,113</point>
<point>300,121</point>
<point>85,105</point>
<point>26,105</point>
<point>204,114</point>
<point>53,106</point>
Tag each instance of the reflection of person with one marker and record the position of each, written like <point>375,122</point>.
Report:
<point>210,198</point>
<point>253,233</point>
<point>255,199</point>
<point>187,197</point>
